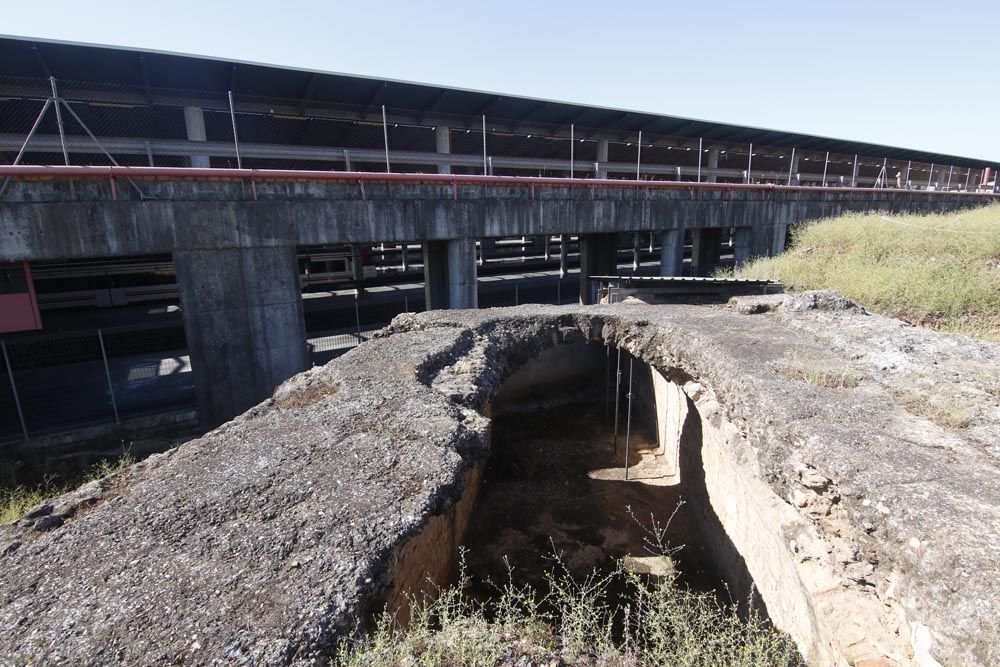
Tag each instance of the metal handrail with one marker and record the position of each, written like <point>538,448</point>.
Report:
<point>104,172</point>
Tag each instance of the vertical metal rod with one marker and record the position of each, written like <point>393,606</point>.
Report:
<point>385,140</point>
<point>406,304</point>
<point>563,256</point>
<point>628,420</point>
<point>825,165</point>
<point>485,171</point>
<point>749,162</point>
<point>906,181</point>
<point>791,165</point>
<point>404,256</point>
<point>149,155</point>
<point>572,141</point>
<point>107,374</point>
<point>618,390</point>
<point>516,299</point>
<point>607,386</point>
<point>638,157</point>
<point>635,251</point>
<point>930,176</point>
<point>59,119</point>
<point>357,317</point>
<point>854,174</point>
<point>700,153</point>
<point>236,138</point>
<point>13,388</point>
<point>559,292</point>
<point>968,173</point>
<point>950,170</point>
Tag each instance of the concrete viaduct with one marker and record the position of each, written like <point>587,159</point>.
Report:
<point>233,235</point>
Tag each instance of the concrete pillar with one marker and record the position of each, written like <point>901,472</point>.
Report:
<point>194,123</point>
<point>563,254</point>
<point>598,257</point>
<point>742,245</point>
<point>705,247</point>
<point>779,235</point>
<point>671,252</point>
<point>712,163</point>
<point>462,289</point>
<point>602,158</point>
<point>450,274</point>
<point>242,311</point>
<point>442,137</point>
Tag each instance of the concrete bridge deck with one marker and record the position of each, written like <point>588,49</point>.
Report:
<point>233,235</point>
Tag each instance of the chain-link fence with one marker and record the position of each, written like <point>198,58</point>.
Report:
<point>101,124</point>
<point>62,381</point>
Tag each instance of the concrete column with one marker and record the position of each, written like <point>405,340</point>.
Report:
<point>705,247</point>
<point>712,163</point>
<point>450,274</point>
<point>779,235</point>
<point>742,245</point>
<point>442,137</point>
<point>563,254</point>
<point>462,289</point>
<point>598,257</point>
<point>602,158</point>
<point>671,252</point>
<point>242,311</point>
<point>194,123</point>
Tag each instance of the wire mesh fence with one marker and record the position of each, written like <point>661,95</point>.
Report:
<point>58,382</point>
<point>101,124</point>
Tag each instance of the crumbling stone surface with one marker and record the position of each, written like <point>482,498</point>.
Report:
<point>269,539</point>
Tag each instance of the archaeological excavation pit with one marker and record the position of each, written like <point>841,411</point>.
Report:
<point>594,462</point>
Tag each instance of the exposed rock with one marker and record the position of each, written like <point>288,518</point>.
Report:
<point>268,539</point>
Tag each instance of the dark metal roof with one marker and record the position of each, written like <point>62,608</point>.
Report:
<point>25,57</point>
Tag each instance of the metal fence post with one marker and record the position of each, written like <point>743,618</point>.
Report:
<point>749,163</point>
<point>791,165</point>
<point>485,171</point>
<point>559,292</point>
<point>13,388</point>
<point>406,304</point>
<point>825,165</point>
<point>638,158</point>
<point>107,374</point>
<point>516,299</point>
<point>930,176</point>
<point>700,152</point>
<point>236,139</point>
<point>628,419</point>
<point>357,318</point>
<point>385,139</point>
<point>59,119</point>
<point>572,141</point>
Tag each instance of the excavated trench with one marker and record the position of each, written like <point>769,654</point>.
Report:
<point>555,485</point>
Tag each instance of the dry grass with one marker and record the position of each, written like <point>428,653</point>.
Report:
<point>575,623</point>
<point>943,410</point>
<point>939,270</point>
<point>16,499</point>
<point>819,377</point>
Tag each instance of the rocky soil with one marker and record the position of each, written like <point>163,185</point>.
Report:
<point>265,541</point>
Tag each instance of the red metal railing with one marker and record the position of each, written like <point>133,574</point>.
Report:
<point>355,177</point>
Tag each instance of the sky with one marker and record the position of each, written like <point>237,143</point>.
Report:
<point>916,74</point>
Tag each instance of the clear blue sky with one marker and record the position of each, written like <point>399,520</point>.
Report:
<point>916,74</point>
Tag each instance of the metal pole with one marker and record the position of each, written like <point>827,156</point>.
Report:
<point>885,172</point>
<point>618,389</point>
<point>572,141</point>
<point>563,256</point>
<point>825,165</point>
<point>516,299</point>
<point>700,152</point>
<point>236,138</point>
<point>406,304</point>
<point>854,174</point>
<point>485,172</point>
<point>791,165</point>
<point>24,146</point>
<point>906,181</point>
<point>385,140</point>
<point>357,317</point>
<point>13,388</point>
<point>607,385</point>
<point>107,374</point>
<point>638,157</point>
<point>749,162</point>
<point>103,149</point>
<point>59,120</point>
<point>635,251</point>
<point>968,173</point>
<point>628,420</point>
<point>930,176</point>
<point>559,292</point>
<point>950,170</point>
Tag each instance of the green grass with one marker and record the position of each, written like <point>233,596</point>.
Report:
<point>938,270</point>
<point>16,499</point>
<point>579,621</point>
